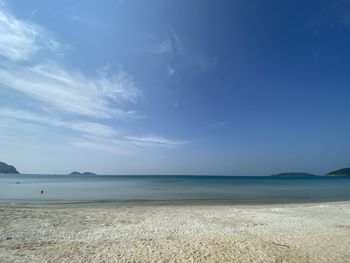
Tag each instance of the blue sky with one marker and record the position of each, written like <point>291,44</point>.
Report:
<point>175,87</point>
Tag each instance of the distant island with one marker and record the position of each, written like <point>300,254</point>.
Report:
<point>293,174</point>
<point>84,173</point>
<point>7,169</point>
<point>340,172</point>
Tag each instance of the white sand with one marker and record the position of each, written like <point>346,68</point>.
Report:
<point>296,233</point>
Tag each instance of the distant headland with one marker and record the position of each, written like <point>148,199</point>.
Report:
<point>340,172</point>
<point>84,173</point>
<point>7,169</point>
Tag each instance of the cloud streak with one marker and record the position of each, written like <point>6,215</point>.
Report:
<point>156,141</point>
<point>72,92</point>
<point>95,129</point>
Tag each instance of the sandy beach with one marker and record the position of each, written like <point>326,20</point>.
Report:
<point>174,233</point>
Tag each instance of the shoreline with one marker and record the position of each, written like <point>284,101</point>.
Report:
<point>167,233</point>
<point>162,203</point>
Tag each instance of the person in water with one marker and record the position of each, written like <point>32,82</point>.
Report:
<point>42,191</point>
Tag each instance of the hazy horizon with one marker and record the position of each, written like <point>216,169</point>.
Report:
<point>175,87</point>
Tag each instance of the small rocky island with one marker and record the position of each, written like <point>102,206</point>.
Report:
<point>7,169</point>
<point>293,174</point>
<point>84,173</point>
<point>340,172</point>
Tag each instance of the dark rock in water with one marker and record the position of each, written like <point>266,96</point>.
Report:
<point>84,173</point>
<point>7,169</point>
<point>340,172</point>
<point>293,174</point>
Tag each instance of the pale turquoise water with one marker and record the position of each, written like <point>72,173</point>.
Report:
<point>178,189</point>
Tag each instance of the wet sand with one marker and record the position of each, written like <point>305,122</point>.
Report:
<point>174,233</point>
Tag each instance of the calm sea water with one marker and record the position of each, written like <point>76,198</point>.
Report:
<point>178,189</point>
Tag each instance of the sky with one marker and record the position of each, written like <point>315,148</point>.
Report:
<point>175,87</point>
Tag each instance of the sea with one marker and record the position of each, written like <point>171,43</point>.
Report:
<point>240,190</point>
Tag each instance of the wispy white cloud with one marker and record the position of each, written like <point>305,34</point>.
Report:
<point>52,83</point>
<point>29,116</point>
<point>21,39</point>
<point>126,143</point>
<point>170,44</point>
<point>66,98</point>
<point>177,44</point>
<point>156,141</point>
<point>164,47</point>
<point>90,135</point>
<point>95,129</point>
<point>73,92</point>
<point>177,56</point>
